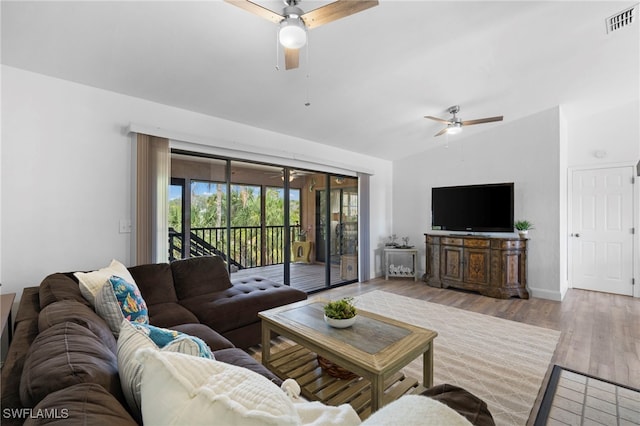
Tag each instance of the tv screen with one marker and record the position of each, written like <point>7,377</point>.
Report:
<point>476,208</point>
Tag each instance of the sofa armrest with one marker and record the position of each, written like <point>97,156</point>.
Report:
<point>240,358</point>
<point>464,402</point>
<point>25,333</point>
<point>29,307</point>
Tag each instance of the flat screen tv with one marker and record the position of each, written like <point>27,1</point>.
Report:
<point>475,208</point>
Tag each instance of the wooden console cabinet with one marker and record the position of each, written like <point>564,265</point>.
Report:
<point>495,267</point>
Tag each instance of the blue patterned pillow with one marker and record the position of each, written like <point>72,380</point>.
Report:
<point>163,337</point>
<point>131,303</point>
<point>119,299</point>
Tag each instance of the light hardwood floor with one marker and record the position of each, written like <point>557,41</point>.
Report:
<point>600,332</point>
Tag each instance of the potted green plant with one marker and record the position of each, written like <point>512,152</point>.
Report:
<point>523,227</point>
<point>340,313</point>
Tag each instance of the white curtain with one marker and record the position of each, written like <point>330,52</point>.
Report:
<point>153,171</point>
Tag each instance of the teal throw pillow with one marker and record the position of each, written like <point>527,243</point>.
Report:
<point>131,303</point>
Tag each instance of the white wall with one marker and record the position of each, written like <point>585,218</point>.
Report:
<point>614,131</point>
<point>526,152</point>
<point>66,172</point>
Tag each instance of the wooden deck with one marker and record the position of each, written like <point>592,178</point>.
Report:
<point>305,277</point>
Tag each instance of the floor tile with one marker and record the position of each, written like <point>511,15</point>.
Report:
<point>586,401</point>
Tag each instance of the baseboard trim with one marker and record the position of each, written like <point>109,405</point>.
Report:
<point>541,293</point>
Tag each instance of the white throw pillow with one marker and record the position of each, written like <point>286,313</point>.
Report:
<point>131,340</point>
<point>416,410</point>
<point>92,282</point>
<point>315,413</point>
<point>178,389</point>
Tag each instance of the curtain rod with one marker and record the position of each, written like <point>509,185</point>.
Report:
<point>207,145</point>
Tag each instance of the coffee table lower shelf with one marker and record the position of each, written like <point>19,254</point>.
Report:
<point>299,363</point>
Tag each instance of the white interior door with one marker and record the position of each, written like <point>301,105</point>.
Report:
<point>602,230</point>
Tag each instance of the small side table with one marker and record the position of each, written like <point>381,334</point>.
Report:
<point>400,273</point>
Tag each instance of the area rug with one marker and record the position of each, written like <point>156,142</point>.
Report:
<point>576,398</point>
<point>503,362</point>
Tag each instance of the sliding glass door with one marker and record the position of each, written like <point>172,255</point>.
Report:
<point>293,226</point>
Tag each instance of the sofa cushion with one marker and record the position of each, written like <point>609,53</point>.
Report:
<point>92,282</point>
<point>82,404</point>
<point>79,313</point>
<point>63,355</point>
<point>155,282</point>
<point>213,339</point>
<point>59,286</point>
<point>170,314</point>
<point>239,305</point>
<point>120,299</point>
<point>198,276</point>
<point>245,337</point>
<point>179,389</point>
<point>134,337</point>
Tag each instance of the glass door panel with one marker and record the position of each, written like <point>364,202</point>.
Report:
<point>344,225</point>
<point>258,219</point>
<point>305,272</point>
<point>176,218</point>
<point>204,204</point>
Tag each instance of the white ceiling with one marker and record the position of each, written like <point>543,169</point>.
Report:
<point>370,77</point>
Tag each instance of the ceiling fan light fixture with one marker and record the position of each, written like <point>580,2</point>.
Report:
<point>454,128</point>
<point>292,33</point>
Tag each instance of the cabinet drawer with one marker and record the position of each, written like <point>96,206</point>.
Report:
<point>509,244</point>
<point>431,239</point>
<point>451,241</point>
<point>476,242</point>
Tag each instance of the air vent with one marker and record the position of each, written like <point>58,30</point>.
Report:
<point>622,19</point>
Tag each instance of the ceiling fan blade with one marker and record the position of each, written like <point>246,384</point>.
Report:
<point>291,58</point>
<point>481,120</point>
<point>334,11</point>
<point>256,9</point>
<point>441,132</point>
<point>440,120</point>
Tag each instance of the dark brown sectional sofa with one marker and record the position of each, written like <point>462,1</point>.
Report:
<point>62,367</point>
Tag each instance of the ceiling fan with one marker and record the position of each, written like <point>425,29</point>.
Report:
<point>454,124</point>
<point>294,22</point>
<point>293,174</point>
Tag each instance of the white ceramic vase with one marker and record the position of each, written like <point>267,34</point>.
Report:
<point>340,323</point>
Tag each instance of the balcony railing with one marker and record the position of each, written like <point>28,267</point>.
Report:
<point>251,246</point>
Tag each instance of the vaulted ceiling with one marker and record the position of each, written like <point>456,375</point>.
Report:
<point>369,78</point>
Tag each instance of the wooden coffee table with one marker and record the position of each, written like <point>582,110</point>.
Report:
<point>375,348</point>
